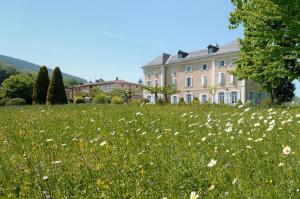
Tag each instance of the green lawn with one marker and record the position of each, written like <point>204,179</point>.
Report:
<point>111,151</point>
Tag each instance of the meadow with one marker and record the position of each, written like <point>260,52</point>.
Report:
<point>120,151</point>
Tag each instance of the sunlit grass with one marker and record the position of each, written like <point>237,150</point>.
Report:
<point>111,151</point>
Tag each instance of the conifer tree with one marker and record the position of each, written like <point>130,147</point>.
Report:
<point>56,91</point>
<point>40,88</point>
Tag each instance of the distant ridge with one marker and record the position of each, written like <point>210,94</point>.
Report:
<point>28,67</point>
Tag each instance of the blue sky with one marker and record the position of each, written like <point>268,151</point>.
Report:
<point>105,39</point>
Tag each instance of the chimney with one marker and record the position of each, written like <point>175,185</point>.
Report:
<point>117,79</point>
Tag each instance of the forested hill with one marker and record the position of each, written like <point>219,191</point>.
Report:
<point>27,67</point>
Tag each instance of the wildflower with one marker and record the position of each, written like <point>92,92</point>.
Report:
<point>49,140</point>
<point>247,109</point>
<point>176,133</point>
<point>211,187</point>
<point>203,139</point>
<point>184,114</point>
<point>256,124</point>
<point>229,129</point>
<point>158,137</point>
<point>287,150</point>
<point>45,177</point>
<point>212,163</point>
<point>280,164</point>
<point>194,195</point>
<point>298,115</point>
<point>103,143</point>
<point>56,162</point>
<point>92,120</point>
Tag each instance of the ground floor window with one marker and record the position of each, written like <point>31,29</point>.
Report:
<point>221,97</point>
<point>188,98</point>
<point>234,97</point>
<point>174,99</point>
<point>149,98</point>
<point>204,98</point>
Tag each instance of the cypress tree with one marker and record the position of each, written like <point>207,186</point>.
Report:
<point>40,87</point>
<point>56,91</point>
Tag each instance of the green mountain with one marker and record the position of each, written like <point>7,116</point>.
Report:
<point>27,67</point>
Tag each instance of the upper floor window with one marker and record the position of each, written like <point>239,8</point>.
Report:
<point>174,83</point>
<point>156,82</point>
<point>174,72</point>
<point>188,82</point>
<point>149,83</point>
<point>221,63</point>
<point>234,79</point>
<point>188,69</point>
<point>148,73</point>
<point>203,67</point>
<point>222,79</point>
<point>203,80</point>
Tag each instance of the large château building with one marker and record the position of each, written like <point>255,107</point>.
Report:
<point>196,74</point>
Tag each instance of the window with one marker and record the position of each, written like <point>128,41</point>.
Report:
<point>221,97</point>
<point>204,81</point>
<point>234,97</point>
<point>149,83</point>
<point>203,98</point>
<point>174,99</point>
<point>203,67</point>
<point>174,83</point>
<point>222,79</point>
<point>156,82</point>
<point>188,82</point>
<point>174,72</point>
<point>234,79</point>
<point>148,73</point>
<point>149,98</point>
<point>221,63</point>
<point>188,69</point>
<point>188,98</point>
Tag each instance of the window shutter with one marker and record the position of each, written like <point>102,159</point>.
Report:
<point>186,79</point>
<point>191,82</point>
<point>220,78</point>
<point>231,78</point>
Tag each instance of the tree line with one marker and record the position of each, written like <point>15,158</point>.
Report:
<point>24,89</point>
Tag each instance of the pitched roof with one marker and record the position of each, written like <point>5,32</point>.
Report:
<point>201,54</point>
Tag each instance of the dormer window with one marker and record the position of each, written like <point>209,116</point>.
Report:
<point>212,48</point>
<point>182,54</point>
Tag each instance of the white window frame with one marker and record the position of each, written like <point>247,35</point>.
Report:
<point>191,86</point>
<point>172,100</point>
<point>221,61</point>
<point>188,67</point>
<point>201,99</point>
<point>220,79</point>
<point>148,83</point>
<point>201,67</point>
<point>237,96</point>
<point>203,81</point>
<point>174,82</point>
<point>185,97</point>
<point>219,99</point>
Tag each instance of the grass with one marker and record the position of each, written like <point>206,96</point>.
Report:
<point>118,151</point>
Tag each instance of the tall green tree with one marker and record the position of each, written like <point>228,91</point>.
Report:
<point>40,87</point>
<point>168,90</point>
<point>56,91</point>
<point>19,86</point>
<point>270,47</point>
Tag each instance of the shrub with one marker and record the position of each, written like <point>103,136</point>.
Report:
<point>16,101</point>
<point>79,100</point>
<point>181,101</point>
<point>117,100</point>
<point>40,87</point>
<point>56,91</point>
<point>4,101</point>
<point>266,103</point>
<point>136,101</point>
<point>160,101</point>
<point>101,99</point>
<point>195,101</point>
